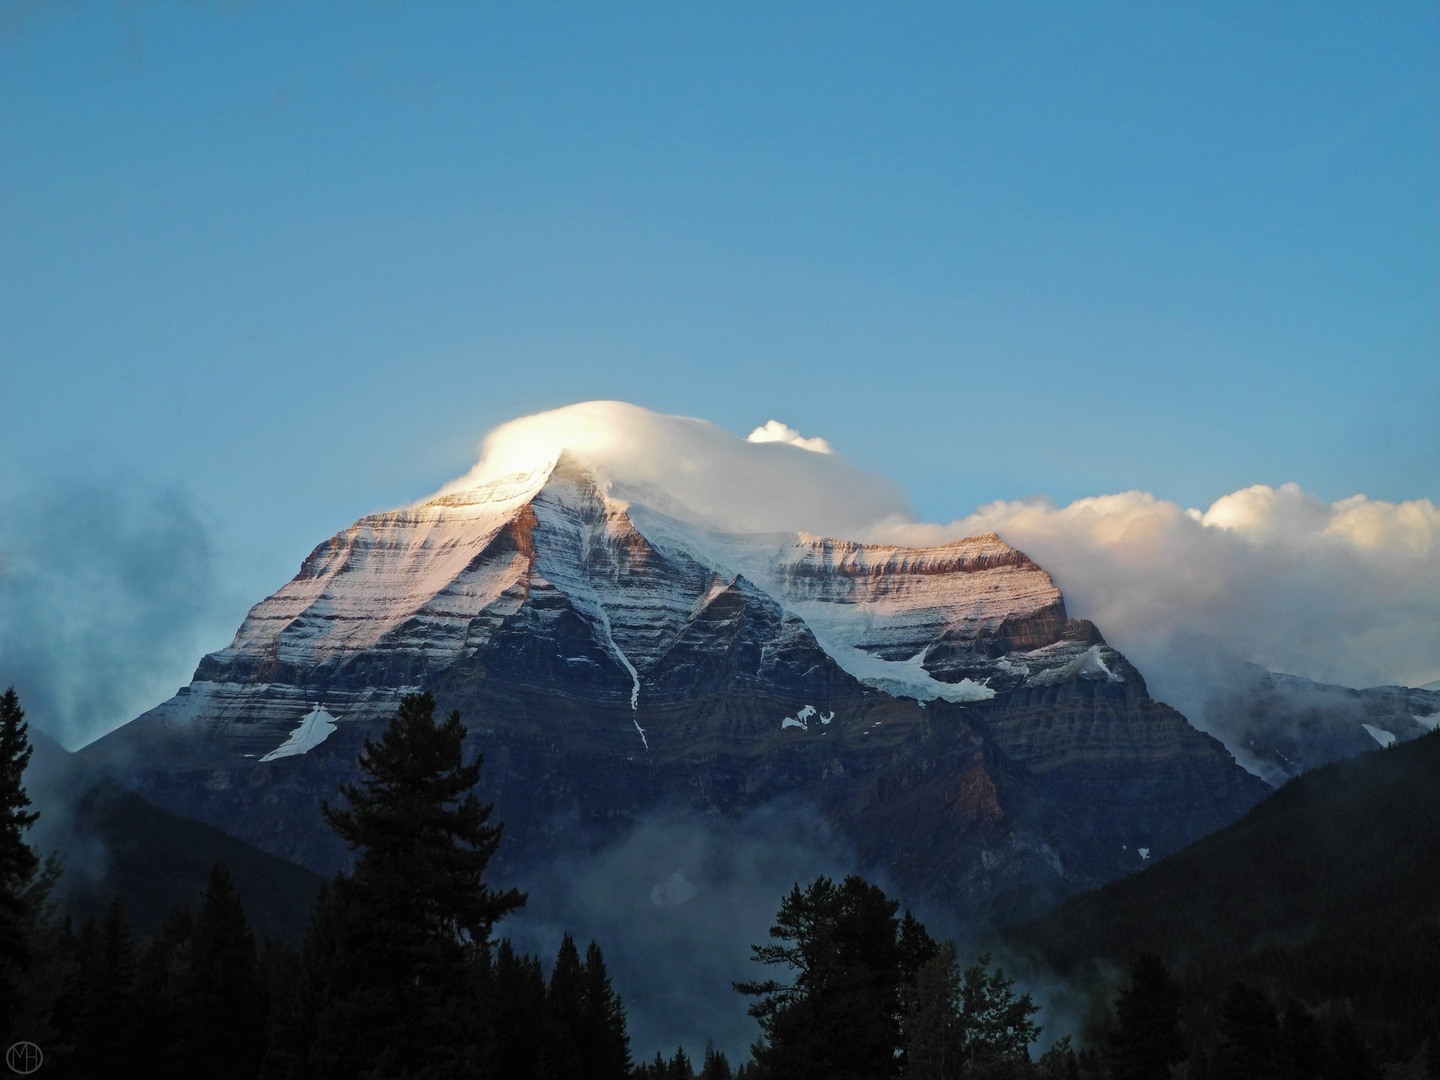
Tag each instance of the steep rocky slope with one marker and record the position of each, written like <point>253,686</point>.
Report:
<point>976,746</point>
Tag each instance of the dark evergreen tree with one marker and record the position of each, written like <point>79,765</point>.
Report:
<point>959,1022</point>
<point>916,946</point>
<point>1298,1045</point>
<point>604,1042</point>
<point>840,1018</point>
<point>104,1043</point>
<point>564,1012</point>
<point>931,1022</point>
<point>679,1067</point>
<point>19,863</point>
<point>1346,1055</point>
<point>520,1014</point>
<point>1249,1032</point>
<point>1059,1062</point>
<point>282,973</point>
<point>220,1006</point>
<point>1147,1039</point>
<point>715,1066</point>
<point>160,967</point>
<point>1432,1055</point>
<point>400,957</point>
<point>995,1022</point>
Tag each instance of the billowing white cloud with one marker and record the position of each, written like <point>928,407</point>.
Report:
<point>1345,592</point>
<point>775,431</point>
<point>743,485</point>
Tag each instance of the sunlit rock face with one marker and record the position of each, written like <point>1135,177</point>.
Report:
<point>979,750</point>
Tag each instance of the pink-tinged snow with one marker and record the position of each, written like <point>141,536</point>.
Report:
<point>389,568</point>
<point>441,575</point>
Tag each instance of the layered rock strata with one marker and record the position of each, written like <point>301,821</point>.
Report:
<point>977,747</point>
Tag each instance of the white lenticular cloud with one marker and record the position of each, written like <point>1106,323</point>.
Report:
<point>776,483</point>
<point>1345,592</point>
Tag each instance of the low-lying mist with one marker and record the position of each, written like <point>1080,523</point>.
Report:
<point>676,904</point>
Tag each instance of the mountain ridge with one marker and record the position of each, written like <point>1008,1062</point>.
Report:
<point>613,659</point>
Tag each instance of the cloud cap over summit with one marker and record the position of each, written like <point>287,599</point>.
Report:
<point>775,481</point>
<point>1342,592</point>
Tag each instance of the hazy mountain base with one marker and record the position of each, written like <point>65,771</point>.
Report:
<point>114,843</point>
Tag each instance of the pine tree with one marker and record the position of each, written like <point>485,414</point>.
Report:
<point>604,1042</point>
<point>1059,1062</point>
<point>840,1018</point>
<point>932,1015</point>
<point>1249,1031</point>
<point>715,1066</point>
<point>160,966</point>
<point>1148,1039</point>
<point>19,863</point>
<point>1346,1055</point>
<point>679,1067</point>
<point>104,1030</point>
<point>220,1003</point>
<point>956,1021</point>
<point>564,1010</point>
<point>401,969</point>
<point>520,1019</point>
<point>282,973</point>
<point>1298,1044</point>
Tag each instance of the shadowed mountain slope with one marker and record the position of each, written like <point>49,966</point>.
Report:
<point>1329,891</point>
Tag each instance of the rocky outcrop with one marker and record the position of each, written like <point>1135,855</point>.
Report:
<point>975,746</point>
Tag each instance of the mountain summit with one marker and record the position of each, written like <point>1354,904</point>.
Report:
<point>615,653</point>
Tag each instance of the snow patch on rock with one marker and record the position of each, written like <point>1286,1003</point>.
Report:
<point>1380,735</point>
<point>673,891</point>
<point>315,728</point>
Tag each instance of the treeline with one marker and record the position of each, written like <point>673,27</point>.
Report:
<point>1252,1037</point>
<point>398,975</point>
<point>200,998</point>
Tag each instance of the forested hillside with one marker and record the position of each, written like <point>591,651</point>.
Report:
<point>1327,892</point>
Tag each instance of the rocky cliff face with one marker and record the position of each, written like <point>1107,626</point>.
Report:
<point>977,747</point>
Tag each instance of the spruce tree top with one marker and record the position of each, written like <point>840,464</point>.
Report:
<point>423,836</point>
<point>18,861</point>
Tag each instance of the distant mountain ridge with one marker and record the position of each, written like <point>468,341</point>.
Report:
<point>1282,725</point>
<point>1326,891</point>
<point>613,659</point>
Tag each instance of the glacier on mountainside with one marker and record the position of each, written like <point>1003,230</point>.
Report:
<point>314,729</point>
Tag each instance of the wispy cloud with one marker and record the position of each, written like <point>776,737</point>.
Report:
<point>105,593</point>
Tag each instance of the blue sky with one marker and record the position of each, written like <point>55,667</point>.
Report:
<point>291,261</point>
